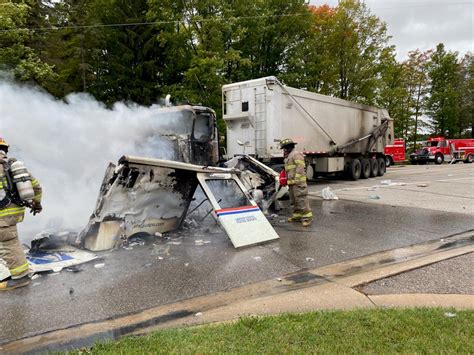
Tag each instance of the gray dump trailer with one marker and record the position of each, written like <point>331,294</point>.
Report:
<point>336,136</point>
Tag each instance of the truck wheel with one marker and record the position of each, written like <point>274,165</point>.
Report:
<point>439,158</point>
<point>469,159</point>
<point>354,169</point>
<point>374,167</point>
<point>381,163</point>
<point>364,168</point>
<point>388,161</point>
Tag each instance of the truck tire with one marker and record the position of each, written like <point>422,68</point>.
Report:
<point>388,161</point>
<point>364,168</point>
<point>374,167</point>
<point>439,158</point>
<point>354,169</point>
<point>469,159</point>
<point>381,162</point>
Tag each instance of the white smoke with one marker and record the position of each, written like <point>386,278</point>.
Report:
<point>67,146</point>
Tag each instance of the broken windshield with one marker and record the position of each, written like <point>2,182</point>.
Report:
<point>203,127</point>
<point>228,193</point>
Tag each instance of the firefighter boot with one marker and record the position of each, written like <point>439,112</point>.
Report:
<point>307,223</point>
<point>11,284</point>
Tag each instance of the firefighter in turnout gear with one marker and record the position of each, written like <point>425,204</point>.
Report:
<point>296,179</point>
<point>12,211</point>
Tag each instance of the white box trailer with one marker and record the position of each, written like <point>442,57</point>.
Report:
<point>335,135</point>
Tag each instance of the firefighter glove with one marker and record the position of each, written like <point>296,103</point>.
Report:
<point>36,208</point>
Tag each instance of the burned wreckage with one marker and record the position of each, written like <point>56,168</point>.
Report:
<point>146,195</point>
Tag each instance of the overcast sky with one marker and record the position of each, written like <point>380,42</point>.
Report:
<point>425,23</point>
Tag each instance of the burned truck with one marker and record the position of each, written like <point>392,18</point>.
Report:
<point>145,195</point>
<point>192,133</point>
<point>149,195</point>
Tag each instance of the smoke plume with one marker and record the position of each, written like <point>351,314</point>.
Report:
<point>67,145</point>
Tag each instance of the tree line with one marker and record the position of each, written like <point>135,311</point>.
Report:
<point>141,50</point>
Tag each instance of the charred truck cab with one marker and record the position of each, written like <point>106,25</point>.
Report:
<point>204,137</point>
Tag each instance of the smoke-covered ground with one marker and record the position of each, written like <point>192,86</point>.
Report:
<point>67,145</point>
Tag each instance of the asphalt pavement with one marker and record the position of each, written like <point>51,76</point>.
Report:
<point>414,205</point>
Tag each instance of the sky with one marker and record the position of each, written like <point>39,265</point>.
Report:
<point>425,23</point>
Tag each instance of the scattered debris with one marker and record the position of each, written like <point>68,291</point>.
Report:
<point>186,264</point>
<point>198,314</point>
<point>450,315</point>
<point>35,276</point>
<point>386,182</point>
<point>257,258</point>
<point>279,279</point>
<point>309,259</point>
<point>373,188</point>
<point>422,185</point>
<point>143,195</point>
<point>74,269</point>
<point>71,291</point>
<point>148,265</point>
<point>158,234</point>
<point>99,266</point>
<point>343,252</point>
<point>374,197</point>
<point>328,194</point>
<point>160,250</point>
<point>34,284</point>
<point>174,243</point>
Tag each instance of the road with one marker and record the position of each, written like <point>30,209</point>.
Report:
<point>418,204</point>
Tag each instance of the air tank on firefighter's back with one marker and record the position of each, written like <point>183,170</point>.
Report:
<point>22,179</point>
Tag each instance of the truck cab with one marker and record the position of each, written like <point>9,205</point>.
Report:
<point>439,149</point>
<point>435,150</point>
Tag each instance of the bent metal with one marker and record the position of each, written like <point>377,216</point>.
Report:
<point>154,195</point>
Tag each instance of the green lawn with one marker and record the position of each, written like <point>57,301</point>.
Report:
<point>361,331</point>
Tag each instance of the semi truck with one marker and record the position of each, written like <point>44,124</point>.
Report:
<point>440,149</point>
<point>336,136</point>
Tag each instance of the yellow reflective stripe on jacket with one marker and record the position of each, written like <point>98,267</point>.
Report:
<point>20,269</point>
<point>299,162</point>
<point>34,182</point>
<point>306,215</point>
<point>11,211</point>
<point>290,167</point>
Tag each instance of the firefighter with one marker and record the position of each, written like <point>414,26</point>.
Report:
<point>296,179</point>
<point>12,211</point>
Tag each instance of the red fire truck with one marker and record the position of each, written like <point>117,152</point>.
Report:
<point>395,152</point>
<point>439,149</point>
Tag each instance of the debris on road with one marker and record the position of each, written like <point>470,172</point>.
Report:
<point>328,194</point>
<point>99,266</point>
<point>422,185</point>
<point>374,197</point>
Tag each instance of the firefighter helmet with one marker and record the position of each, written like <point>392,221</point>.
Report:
<point>3,142</point>
<point>287,142</point>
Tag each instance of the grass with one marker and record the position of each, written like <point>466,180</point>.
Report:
<point>422,330</point>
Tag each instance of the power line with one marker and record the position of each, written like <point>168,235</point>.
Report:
<point>55,28</point>
<point>76,27</point>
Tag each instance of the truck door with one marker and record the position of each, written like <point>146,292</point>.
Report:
<point>240,217</point>
<point>204,144</point>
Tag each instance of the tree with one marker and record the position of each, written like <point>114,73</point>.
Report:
<point>443,102</point>
<point>417,86</point>
<point>16,53</point>
<point>466,90</point>
<point>343,53</point>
